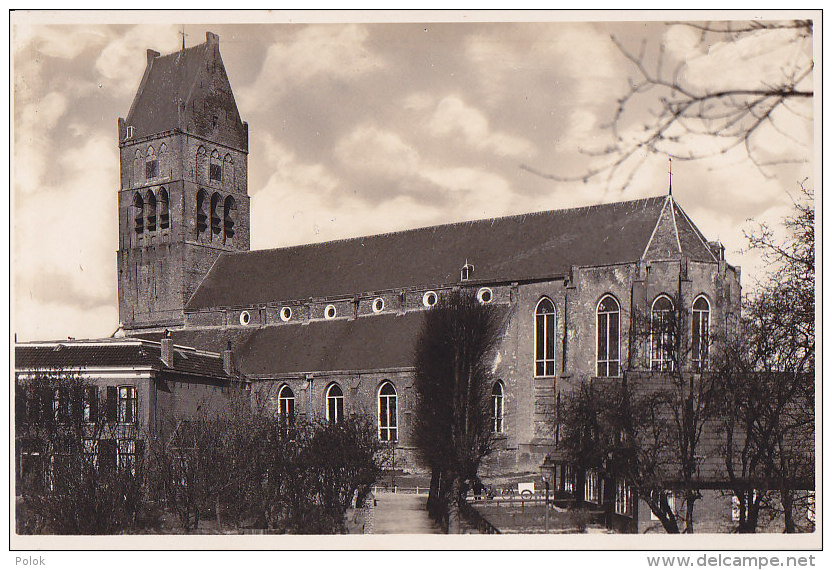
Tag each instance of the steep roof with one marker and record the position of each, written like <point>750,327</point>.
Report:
<point>113,353</point>
<point>177,88</point>
<point>513,248</point>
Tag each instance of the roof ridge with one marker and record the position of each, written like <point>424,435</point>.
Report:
<point>696,230</point>
<point>655,227</point>
<point>437,226</point>
<point>675,227</point>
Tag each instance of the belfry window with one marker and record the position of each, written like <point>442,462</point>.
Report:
<point>497,407</point>
<point>608,322</point>
<point>201,165</point>
<point>164,209</point>
<point>216,167</point>
<point>228,171</point>
<point>201,216</point>
<point>138,213</point>
<point>662,334</point>
<point>334,404</point>
<point>701,337</point>
<point>151,165</point>
<point>387,418</point>
<point>229,214</point>
<point>150,207</point>
<point>544,338</point>
<point>164,166</point>
<point>216,204</point>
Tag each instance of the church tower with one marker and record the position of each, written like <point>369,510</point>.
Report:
<point>184,184</point>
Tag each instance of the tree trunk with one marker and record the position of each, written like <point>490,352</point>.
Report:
<point>433,494</point>
<point>454,526</point>
<point>787,499</point>
<point>689,499</point>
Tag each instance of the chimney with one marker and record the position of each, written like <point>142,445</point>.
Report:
<point>227,360</point>
<point>167,350</point>
<point>151,55</point>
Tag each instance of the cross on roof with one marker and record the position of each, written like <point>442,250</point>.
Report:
<point>183,34</point>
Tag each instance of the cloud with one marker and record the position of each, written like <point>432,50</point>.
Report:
<point>453,117</point>
<point>34,124</point>
<point>380,151</point>
<point>65,236</point>
<point>316,52</point>
<point>122,61</point>
<point>58,41</point>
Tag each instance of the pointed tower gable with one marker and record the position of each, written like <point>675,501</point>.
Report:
<point>178,89</point>
<point>675,236</point>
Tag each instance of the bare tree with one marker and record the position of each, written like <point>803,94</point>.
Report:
<point>454,377</point>
<point>767,376</point>
<point>669,110</point>
<point>80,470</point>
<point>648,426</point>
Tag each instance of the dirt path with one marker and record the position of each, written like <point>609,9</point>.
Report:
<point>396,513</point>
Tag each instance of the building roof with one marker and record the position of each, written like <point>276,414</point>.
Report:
<point>365,343</point>
<point>174,90</point>
<point>513,248</point>
<point>114,353</point>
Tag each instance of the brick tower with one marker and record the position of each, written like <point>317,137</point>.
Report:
<point>184,184</point>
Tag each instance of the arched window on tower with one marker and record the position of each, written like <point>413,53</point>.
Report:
<point>138,163</point>
<point>164,163</point>
<point>151,164</point>
<point>216,205</point>
<point>662,334</point>
<point>334,404</point>
<point>216,167</point>
<point>497,407</point>
<point>201,213</point>
<point>164,209</point>
<point>201,174</point>
<point>228,171</point>
<point>138,213</point>
<point>150,208</point>
<point>701,334</point>
<point>387,413</point>
<point>608,333</point>
<point>229,215</point>
<point>544,338</point>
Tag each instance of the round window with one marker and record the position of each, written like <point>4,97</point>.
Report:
<point>245,318</point>
<point>378,305</point>
<point>285,314</point>
<point>429,299</point>
<point>329,312</point>
<point>485,295</point>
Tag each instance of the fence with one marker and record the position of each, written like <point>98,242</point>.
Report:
<point>401,490</point>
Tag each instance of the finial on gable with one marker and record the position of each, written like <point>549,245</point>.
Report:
<point>670,176</point>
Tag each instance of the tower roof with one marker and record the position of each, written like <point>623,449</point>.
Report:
<point>514,248</point>
<point>184,90</point>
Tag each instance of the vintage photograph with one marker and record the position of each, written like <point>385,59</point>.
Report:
<point>539,274</point>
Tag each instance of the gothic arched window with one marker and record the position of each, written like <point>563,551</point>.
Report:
<point>662,334</point>
<point>544,338</point>
<point>164,165</point>
<point>150,207</point>
<point>497,407</point>
<point>137,167</point>
<point>701,336</point>
<point>201,173</point>
<point>334,404</point>
<point>138,213</point>
<point>201,215</point>
<point>216,204</point>
<point>216,167</point>
<point>151,164</point>
<point>228,171</point>
<point>286,406</point>
<point>229,215</point>
<point>387,413</point>
<point>608,333</point>
<point>164,209</point>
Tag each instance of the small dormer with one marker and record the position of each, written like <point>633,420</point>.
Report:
<point>466,271</point>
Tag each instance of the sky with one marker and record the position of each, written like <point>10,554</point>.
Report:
<point>359,128</point>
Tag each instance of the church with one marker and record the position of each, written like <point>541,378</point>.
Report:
<point>325,329</point>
